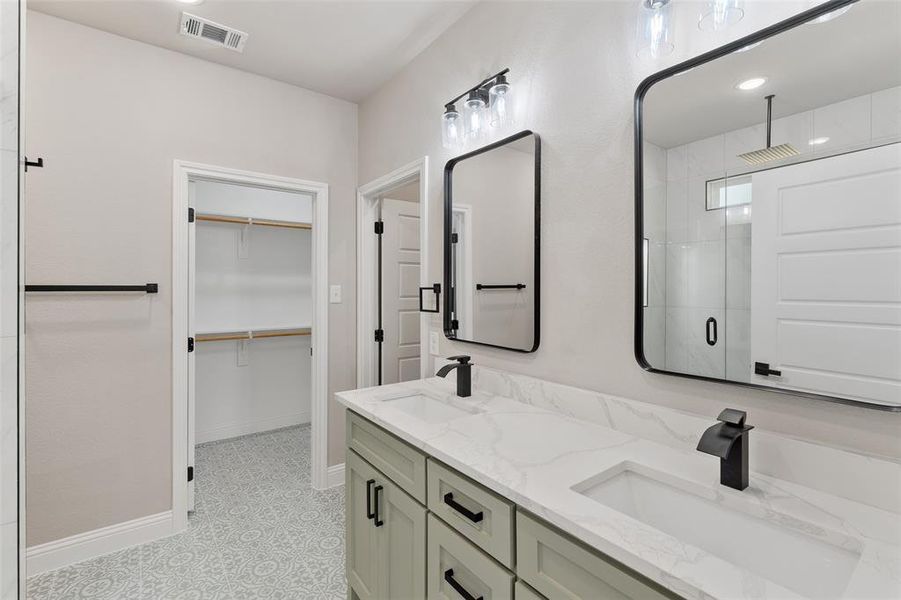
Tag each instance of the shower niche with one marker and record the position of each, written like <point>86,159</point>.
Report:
<point>768,202</point>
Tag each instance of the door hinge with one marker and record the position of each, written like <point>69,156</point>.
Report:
<point>454,238</point>
<point>379,227</point>
<point>190,215</point>
<point>380,335</point>
<point>190,344</point>
<point>455,324</point>
<point>190,473</point>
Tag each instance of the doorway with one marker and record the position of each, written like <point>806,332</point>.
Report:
<point>230,229</point>
<point>392,252</point>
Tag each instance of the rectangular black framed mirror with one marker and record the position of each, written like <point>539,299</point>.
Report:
<point>492,232</point>
<point>768,209</point>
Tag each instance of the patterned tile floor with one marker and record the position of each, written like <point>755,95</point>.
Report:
<point>260,531</point>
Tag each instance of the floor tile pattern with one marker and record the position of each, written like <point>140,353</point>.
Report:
<point>260,531</point>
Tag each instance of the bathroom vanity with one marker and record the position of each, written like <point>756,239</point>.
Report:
<point>529,489</point>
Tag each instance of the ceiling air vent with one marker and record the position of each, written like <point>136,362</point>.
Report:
<point>213,33</point>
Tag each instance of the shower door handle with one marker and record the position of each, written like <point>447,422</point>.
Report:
<point>711,331</point>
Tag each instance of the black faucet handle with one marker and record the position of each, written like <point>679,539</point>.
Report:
<point>460,358</point>
<point>733,417</point>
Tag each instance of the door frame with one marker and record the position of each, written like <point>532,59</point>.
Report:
<point>367,215</point>
<point>183,173</point>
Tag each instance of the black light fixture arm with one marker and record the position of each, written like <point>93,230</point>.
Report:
<point>480,85</point>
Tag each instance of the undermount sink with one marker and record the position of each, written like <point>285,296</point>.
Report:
<point>429,409</point>
<point>813,567</point>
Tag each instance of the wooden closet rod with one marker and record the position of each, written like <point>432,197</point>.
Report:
<point>253,221</point>
<point>251,335</point>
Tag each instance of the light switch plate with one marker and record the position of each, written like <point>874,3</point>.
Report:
<point>433,343</point>
<point>334,294</point>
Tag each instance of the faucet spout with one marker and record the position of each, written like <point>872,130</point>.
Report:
<point>728,440</point>
<point>464,374</point>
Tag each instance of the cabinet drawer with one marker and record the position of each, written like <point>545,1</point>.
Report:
<point>457,568</point>
<point>482,516</point>
<point>401,462</point>
<point>561,568</point>
<point>523,592</point>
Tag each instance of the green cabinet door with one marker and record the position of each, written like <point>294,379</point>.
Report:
<point>401,544</point>
<point>361,539</point>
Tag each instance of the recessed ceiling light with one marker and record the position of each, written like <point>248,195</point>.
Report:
<point>751,84</point>
<point>818,141</point>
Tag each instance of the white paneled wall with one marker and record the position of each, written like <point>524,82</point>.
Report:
<point>707,269</point>
<point>251,277</point>
<point>9,268</point>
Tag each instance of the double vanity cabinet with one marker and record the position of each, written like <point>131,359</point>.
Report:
<point>417,529</point>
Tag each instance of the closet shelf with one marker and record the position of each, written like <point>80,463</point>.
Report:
<point>252,334</point>
<point>252,221</point>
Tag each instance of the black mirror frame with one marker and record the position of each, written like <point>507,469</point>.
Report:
<point>781,27</point>
<point>448,230</point>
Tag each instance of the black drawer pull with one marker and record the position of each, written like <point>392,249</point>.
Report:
<point>378,493</point>
<point>474,517</point>
<point>449,577</point>
<point>369,513</point>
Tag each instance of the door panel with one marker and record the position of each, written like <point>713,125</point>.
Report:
<point>826,275</point>
<point>400,289</point>
<point>401,544</point>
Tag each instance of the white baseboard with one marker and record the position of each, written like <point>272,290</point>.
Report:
<point>232,430</point>
<point>91,544</point>
<point>335,476</point>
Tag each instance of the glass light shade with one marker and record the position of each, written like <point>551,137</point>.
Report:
<point>475,117</point>
<point>719,14</point>
<point>655,28</point>
<point>500,102</point>
<point>451,129</point>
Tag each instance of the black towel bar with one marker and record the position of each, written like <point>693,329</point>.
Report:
<point>147,288</point>
<point>507,286</point>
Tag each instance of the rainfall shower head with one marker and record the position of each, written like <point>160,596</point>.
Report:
<point>770,153</point>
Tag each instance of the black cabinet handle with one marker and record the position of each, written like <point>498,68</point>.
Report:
<point>369,513</point>
<point>449,577</point>
<point>474,517</point>
<point>764,369</point>
<point>711,335</point>
<point>378,493</point>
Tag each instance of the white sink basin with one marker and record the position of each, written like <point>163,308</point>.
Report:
<point>428,409</point>
<point>801,563</point>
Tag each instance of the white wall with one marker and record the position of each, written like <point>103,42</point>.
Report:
<point>109,115</point>
<point>575,66</point>
<point>9,269</point>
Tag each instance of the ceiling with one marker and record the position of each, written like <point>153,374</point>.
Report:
<point>807,67</point>
<point>341,48</point>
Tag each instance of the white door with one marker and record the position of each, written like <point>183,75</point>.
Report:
<point>826,275</point>
<point>400,291</point>
<point>192,330</point>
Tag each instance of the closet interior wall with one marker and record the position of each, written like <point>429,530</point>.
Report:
<point>251,280</point>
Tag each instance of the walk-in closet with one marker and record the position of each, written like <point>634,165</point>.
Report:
<point>250,313</point>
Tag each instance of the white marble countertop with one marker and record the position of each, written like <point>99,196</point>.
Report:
<point>535,456</point>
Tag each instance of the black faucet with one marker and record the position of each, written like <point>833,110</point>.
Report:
<point>728,439</point>
<point>464,374</point>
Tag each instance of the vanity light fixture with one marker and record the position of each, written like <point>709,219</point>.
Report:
<point>750,84</point>
<point>719,14</point>
<point>655,28</point>
<point>488,104</point>
<point>818,141</point>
